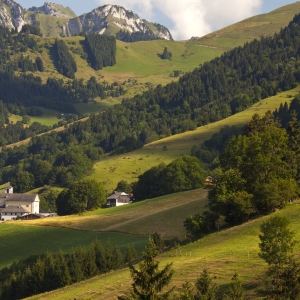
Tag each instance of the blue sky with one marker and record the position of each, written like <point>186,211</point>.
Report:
<point>185,18</point>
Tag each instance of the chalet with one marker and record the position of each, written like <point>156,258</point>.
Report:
<point>118,199</point>
<point>14,205</point>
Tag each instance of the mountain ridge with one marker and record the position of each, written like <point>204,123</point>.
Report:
<point>107,19</point>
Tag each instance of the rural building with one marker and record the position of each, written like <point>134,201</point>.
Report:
<point>118,199</point>
<point>37,216</point>
<point>13,205</point>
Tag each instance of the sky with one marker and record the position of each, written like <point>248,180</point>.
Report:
<point>184,18</point>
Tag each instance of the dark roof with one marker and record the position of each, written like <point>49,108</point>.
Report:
<point>13,209</point>
<point>19,197</point>
<point>116,195</point>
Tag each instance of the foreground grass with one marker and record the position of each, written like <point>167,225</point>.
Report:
<point>129,166</point>
<point>19,242</point>
<point>222,253</point>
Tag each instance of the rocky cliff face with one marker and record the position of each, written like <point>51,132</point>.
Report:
<point>107,19</point>
<point>52,9</point>
<point>110,19</point>
<point>11,15</point>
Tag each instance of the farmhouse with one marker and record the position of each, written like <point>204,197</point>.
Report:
<point>13,205</point>
<point>118,199</point>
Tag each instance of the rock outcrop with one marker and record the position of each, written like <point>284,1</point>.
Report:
<point>110,19</point>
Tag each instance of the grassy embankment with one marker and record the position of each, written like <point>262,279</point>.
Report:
<point>223,253</point>
<point>129,166</point>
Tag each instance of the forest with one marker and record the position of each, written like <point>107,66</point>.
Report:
<point>101,50</point>
<point>66,64</point>
<point>257,173</point>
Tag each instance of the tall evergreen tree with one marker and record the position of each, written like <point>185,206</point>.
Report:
<point>236,291</point>
<point>149,281</point>
<point>206,289</point>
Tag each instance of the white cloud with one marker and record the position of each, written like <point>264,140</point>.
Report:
<point>191,17</point>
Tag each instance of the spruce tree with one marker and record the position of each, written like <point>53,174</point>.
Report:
<point>90,267</point>
<point>236,291</point>
<point>206,289</point>
<point>130,254</point>
<point>117,258</point>
<point>149,281</point>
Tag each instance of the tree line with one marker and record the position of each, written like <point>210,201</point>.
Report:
<point>183,174</point>
<point>47,272</point>
<point>257,173</point>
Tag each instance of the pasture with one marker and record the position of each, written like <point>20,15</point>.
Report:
<point>223,253</point>
<point>164,215</point>
<point>252,28</point>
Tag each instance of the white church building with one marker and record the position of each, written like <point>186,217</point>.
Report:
<point>14,205</point>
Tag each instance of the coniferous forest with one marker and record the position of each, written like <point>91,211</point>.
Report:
<point>101,50</point>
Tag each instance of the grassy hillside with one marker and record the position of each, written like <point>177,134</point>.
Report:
<point>125,225</point>
<point>255,27</point>
<point>222,253</point>
<point>138,64</point>
<point>129,166</point>
<point>164,215</point>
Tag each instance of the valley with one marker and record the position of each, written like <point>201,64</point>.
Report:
<point>143,112</point>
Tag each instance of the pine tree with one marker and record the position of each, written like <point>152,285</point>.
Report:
<point>149,281</point>
<point>62,274</point>
<point>90,267</point>
<point>236,291</point>
<point>130,254</point>
<point>76,265</point>
<point>206,289</point>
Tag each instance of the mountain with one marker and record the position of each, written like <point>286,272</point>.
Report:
<point>57,20</point>
<point>110,19</point>
<point>52,9</point>
<point>11,15</point>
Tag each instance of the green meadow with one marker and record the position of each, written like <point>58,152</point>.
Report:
<point>18,241</point>
<point>129,166</point>
<point>252,28</point>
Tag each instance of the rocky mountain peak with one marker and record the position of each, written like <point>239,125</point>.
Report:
<point>11,15</point>
<point>110,19</point>
<point>53,9</point>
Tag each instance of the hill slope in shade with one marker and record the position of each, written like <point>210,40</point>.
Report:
<point>252,28</point>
